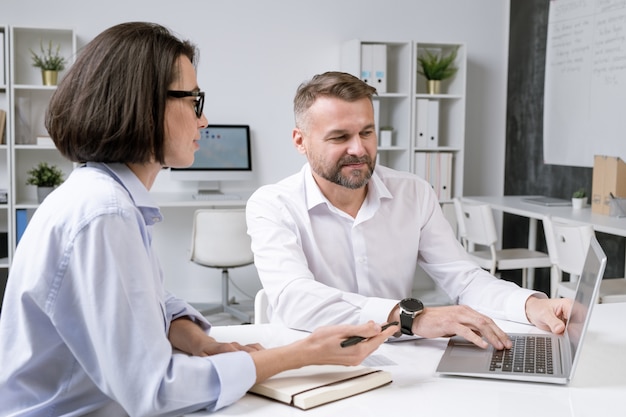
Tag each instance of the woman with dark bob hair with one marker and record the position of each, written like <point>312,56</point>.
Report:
<point>87,327</point>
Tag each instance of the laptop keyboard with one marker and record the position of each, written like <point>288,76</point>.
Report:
<point>529,354</point>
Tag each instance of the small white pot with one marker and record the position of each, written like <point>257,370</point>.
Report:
<point>578,203</point>
<point>386,138</point>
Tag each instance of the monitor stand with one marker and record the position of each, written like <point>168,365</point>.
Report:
<point>209,187</point>
<point>210,191</point>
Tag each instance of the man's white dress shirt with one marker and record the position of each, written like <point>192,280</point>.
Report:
<point>321,266</point>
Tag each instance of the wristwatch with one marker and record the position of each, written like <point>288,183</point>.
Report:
<point>409,308</point>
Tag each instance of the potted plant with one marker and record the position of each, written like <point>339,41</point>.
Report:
<point>45,177</point>
<point>437,67</point>
<point>579,198</point>
<point>50,63</point>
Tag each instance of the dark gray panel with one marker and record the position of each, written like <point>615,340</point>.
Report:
<point>525,171</point>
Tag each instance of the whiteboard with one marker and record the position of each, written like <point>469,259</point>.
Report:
<point>585,82</point>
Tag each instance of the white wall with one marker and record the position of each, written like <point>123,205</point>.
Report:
<point>255,53</point>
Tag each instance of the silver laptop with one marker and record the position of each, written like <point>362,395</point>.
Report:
<point>463,358</point>
<point>547,201</point>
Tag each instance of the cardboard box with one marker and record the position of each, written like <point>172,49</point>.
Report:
<point>609,177</point>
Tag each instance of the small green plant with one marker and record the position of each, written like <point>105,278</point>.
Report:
<point>580,193</point>
<point>437,67</point>
<point>49,60</point>
<point>44,175</point>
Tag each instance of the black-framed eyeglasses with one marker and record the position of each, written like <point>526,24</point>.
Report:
<point>199,101</point>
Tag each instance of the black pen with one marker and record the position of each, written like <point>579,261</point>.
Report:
<point>353,340</point>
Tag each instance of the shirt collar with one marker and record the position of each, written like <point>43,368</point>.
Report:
<point>314,196</point>
<point>135,188</point>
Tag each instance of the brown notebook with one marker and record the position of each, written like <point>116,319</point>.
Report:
<point>315,385</point>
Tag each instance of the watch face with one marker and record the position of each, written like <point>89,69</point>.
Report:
<point>411,305</point>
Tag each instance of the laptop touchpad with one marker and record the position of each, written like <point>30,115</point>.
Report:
<point>467,350</point>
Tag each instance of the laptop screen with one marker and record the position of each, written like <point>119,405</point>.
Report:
<point>586,294</point>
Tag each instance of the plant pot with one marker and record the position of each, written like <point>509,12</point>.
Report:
<point>433,86</point>
<point>578,203</point>
<point>42,193</point>
<point>49,77</point>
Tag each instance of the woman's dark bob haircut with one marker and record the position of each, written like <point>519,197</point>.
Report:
<point>110,105</point>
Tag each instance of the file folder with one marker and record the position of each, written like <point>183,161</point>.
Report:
<point>3,80</point>
<point>419,165</point>
<point>21,221</point>
<point>422,123</point>
<point>436,169</point>
<point>433,124</point>
<point>367,52</point>
<point>379,67</point>
<point>445,176</point>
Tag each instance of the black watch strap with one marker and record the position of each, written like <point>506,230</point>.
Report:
<point>406,323</point>
<point>409,308</point>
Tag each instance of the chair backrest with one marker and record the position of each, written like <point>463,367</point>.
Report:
<point>220,238</point>
<point>567,244</point>
<point>478,224</point>
<point>260,307</point>
<point>460,222</point>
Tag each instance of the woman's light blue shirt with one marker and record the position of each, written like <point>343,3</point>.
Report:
<point>85,318</point>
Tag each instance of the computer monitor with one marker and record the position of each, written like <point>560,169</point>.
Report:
<point>224,155</point>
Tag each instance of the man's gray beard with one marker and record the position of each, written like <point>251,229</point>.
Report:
<point>349,182</point>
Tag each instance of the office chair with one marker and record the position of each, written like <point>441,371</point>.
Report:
<point>220,240</point>
<point>260,307</point>
<point>476,226</point>
<point>568,245</point>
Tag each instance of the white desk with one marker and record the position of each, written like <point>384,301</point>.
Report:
<point>598,387</point>
<point>514,204</point>
<point>534,212</point>
<point>185,199</point>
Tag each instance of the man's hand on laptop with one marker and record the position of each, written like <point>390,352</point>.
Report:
<point>462,321</point>
<point>548,314</point>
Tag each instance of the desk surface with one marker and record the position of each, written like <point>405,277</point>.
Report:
<point>597,389</point>
<point>186,199</point>
<point>516,205</point>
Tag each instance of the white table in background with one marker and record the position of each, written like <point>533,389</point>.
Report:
<point>515,204</point>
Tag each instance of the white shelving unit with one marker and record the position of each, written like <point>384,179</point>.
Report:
<point>394,105</point>
<point>451,116</point>
<point>5,163</point>
<point>28,99</point>
<point>399,105</point>
<point>399,109</point>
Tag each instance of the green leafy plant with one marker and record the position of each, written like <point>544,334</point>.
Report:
<point>49,59</point>
<point>580,193</point>
<point>437,67</point>
<point>44,175</point>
